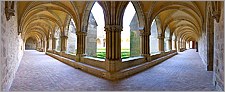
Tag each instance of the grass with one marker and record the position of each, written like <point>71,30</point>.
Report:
<point>101,53</point>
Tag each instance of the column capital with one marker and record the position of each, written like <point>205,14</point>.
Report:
<point>175,39</point>
<point>64,36</point>
<point>81,33</point>
<point>161,36</point>
<point>53,38</point>
<point>169,39</point>
<point>143,33</point>
<point>113,28</point>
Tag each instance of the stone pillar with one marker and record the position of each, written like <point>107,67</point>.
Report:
<point>113,47</point>
<point>145,49</point>
<point>63,43</point>
<point>47,47</point>
<point>161,43</point>
<point>81,38</point>
<point>181,44</point>
<point>54,44</point>
<point>196,46</point>
<point>170,43</point>
<point>43,46</point>
<point>184,44</point>
<point>178,45</point>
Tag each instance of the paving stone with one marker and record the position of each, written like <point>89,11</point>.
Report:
<point>183,72</point>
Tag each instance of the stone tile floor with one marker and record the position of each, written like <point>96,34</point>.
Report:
<point>183,72</point>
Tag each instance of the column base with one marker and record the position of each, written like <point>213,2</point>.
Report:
<point>112,65</point>
<point>147,57</point>
<point>78,57</point>
<point>209,67</point>
<point>162,52</point>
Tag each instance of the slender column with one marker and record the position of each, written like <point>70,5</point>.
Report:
<point>81,36</point>
<point>47,44</point>
<point>181,44</point>
<point>63,43</point>
<point>43,45</point>
<point>53,44</point>
<point>113,47</point>
<point>184,44</point>
<point>196,46</point>
<point>161,43</point>
<point>178,45</point>
<point>145,49</point>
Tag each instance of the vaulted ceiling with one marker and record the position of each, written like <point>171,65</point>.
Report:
<point>41,18</point>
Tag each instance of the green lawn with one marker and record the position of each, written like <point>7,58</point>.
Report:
<point>124,54</point>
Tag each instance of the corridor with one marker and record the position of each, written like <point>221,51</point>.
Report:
<point>185,71</point>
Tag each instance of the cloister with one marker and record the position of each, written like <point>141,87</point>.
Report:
<point>114,46</point>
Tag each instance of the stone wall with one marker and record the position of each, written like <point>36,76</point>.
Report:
<point>1,56</point>
<point>202,47</point>
<point>11,48</point>
<point>218,71</point>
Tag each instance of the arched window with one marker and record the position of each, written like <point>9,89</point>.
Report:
<point>187,45</point>
<point>154,45</point>
<point>72,38</point>
<point>180,43</point>
<point>191,44</point>
<point>96,32</point>
<point>167,37</point>
<point>30,44</point>
<point>173,42</point>
<point>58,40</point>
<point>130,38</point>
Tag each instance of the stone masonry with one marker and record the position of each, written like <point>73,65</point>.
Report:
<point>218,71</point>
<point>11,48</point>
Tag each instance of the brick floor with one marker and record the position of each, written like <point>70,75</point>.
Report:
<point>183,72</point>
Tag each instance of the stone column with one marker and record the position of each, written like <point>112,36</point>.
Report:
<point>63,43</point>
<point>161,43</point>
<point>178,45</point>
<point>170,43</point>
<point>113,47</point>
<point>53,44</point>
<point>196,46</point>
<point>145,49</point>
<point>184,44</point>
<point>43,45</point>
<point>81,38</point>
<point>47,47</point>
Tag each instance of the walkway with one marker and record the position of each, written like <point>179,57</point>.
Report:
<point>183,72</point>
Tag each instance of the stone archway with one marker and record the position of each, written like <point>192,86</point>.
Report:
<point>31,44</point>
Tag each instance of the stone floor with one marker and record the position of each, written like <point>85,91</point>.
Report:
<point>183,72</point>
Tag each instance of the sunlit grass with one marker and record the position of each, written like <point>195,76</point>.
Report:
<point>101,53</point>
